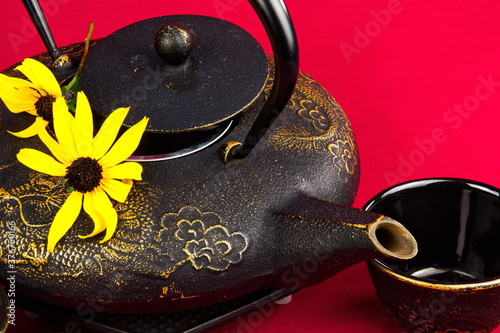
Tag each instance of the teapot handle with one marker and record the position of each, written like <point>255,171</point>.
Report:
<point>36,15</point>
<point>276,20</point>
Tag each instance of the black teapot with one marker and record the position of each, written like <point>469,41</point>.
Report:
<point>249,168</point>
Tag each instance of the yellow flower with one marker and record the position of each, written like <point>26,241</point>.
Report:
<point>35,96</point>
<point>91,165</point>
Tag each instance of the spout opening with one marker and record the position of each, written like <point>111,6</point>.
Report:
<point>393,239</point>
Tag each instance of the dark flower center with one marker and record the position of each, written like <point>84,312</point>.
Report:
<point>84,174</point>
<point>43,107</point>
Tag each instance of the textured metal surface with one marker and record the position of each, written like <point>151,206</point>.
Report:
<point>154,263</point>
<point>427,310</point>
<point>173,43</point>
<point>222,77</point>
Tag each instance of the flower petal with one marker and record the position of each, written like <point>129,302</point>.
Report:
<point>116,189</point>
<point>83,126</point>
<point>103,207</point>
<point>63,124</point>
<point>41,77</point>
<point>64,219</point>
<point>92,202</point>
<point>127,170</point>
<point>41,162</point>
<point>54,147</point>
<point>125,145</point>
<point>18,99</point>
<point>108,131</point>
<point>13,88</point>
<point>21,106</point>
<point>32,130</point>
<point>12,83</point>
<point>111,223</point>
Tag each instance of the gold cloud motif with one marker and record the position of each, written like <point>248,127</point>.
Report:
<point>202,239</point>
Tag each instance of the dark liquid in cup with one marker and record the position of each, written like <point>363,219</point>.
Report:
<point>446,275</point>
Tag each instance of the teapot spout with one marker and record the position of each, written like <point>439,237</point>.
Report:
<point>316,239</point>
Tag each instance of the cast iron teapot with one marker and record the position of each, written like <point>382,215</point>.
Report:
<point>249,168</point>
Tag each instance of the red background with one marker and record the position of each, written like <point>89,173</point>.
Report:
<point>399,68</point>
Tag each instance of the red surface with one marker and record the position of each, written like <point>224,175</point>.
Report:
<point>402,71</point>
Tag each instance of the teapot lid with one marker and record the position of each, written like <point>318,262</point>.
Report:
<point>185,72</point>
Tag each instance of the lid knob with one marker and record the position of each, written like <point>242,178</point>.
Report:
<point>173,42</point>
